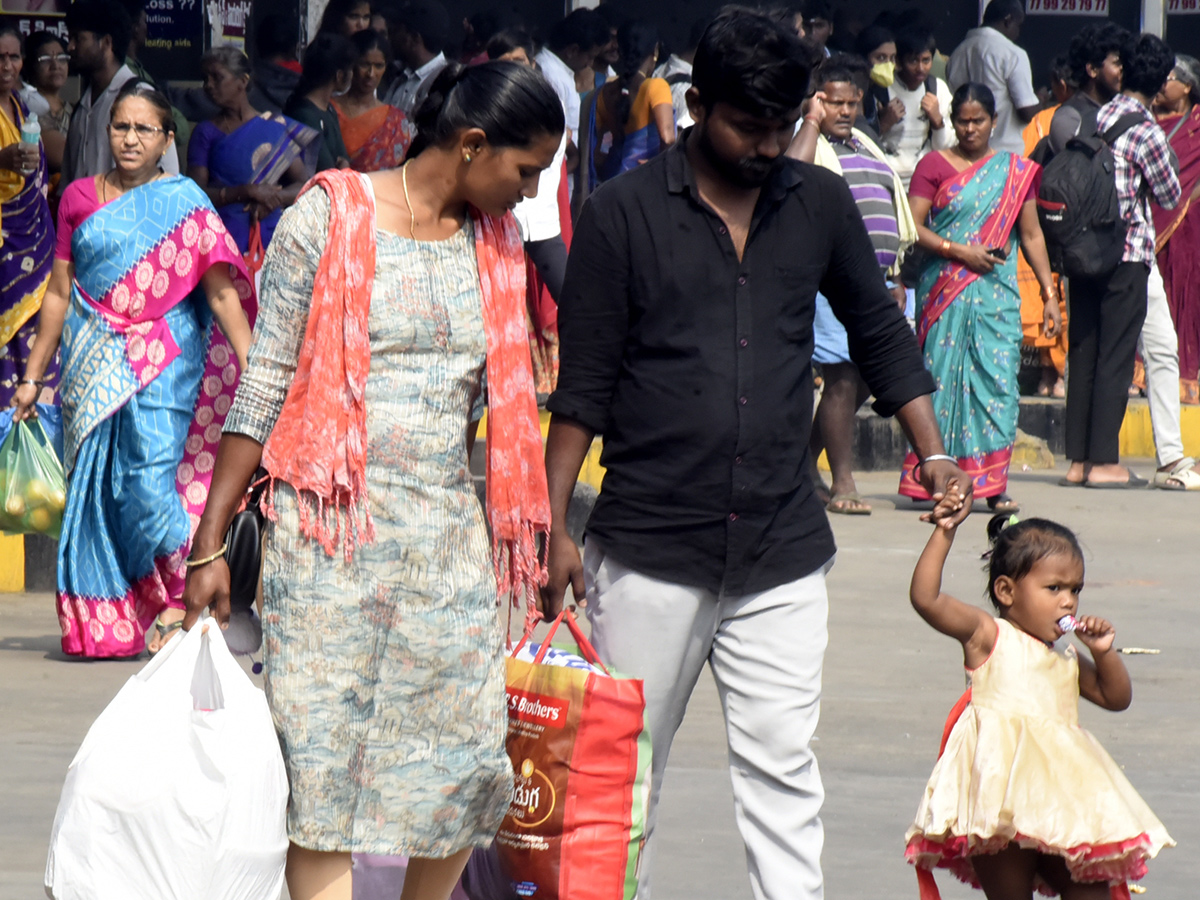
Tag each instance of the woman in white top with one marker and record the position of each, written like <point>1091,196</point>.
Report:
<point>925,122</point>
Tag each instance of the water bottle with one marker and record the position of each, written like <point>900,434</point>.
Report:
<point>31,135</point>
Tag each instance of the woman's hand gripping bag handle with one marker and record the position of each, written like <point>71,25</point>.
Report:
<point>581,763</point>
<point>178,791</point>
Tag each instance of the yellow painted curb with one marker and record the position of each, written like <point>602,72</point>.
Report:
<point>12,563</point>
<point>1137,437</point>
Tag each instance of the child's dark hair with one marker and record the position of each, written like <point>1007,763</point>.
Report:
<point>1018,545</point>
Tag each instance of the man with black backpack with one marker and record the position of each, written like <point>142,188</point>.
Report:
<point>1109,307</point>
<point>1095,61</point>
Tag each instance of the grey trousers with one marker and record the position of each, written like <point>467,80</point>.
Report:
<point>765,651</point>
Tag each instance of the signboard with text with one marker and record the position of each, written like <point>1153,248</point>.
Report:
<point>1183,7</point>
<point>174,38</point>
<point>1066,7</point>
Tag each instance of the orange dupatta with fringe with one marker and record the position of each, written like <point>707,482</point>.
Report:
<point>319,442</point>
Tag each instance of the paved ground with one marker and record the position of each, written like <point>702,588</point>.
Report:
<point>889,683</point>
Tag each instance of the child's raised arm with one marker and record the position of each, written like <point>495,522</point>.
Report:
<point>1106,681</point>
<point>967,624</point>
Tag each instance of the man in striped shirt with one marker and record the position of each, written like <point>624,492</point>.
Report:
<point>878,194</point>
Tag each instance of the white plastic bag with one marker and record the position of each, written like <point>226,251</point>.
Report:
<point>179,790</point>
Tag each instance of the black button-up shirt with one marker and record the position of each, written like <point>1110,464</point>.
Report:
<point>696,368</point>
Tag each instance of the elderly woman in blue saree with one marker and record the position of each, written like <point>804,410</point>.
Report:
<point>153,305</point>
<point>971,204</point>
<point>26,233</point>
<point>250,164</point>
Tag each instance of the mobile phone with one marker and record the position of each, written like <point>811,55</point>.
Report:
<point>998,252</point>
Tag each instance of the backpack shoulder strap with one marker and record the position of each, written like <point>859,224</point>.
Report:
<point>1087,114</point>
<point>1041,152</point>
<point>931,85</point>
<point>1122,125</point>
<point>679,78</point>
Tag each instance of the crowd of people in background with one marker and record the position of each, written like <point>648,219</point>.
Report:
<point>912,130</point>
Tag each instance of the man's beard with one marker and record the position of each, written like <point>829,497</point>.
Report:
<point>749,172</point>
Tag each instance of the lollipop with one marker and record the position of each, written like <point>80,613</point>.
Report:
<point>1067,624</point>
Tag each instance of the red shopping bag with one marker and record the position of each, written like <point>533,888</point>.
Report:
<point>581,761</point>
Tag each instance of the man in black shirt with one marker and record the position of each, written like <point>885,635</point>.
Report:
<point>686,328</point>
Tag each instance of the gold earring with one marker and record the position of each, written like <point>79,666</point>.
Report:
<point>466,157</point>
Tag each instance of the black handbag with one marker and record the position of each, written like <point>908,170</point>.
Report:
<point>243,546</point>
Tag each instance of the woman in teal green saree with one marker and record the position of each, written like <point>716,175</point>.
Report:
<point>972,204</point>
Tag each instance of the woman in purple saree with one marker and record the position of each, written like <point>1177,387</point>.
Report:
<point>27,239</point>
<point>154,336</point>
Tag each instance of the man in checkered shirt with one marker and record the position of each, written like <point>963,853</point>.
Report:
<point>1107,314</point>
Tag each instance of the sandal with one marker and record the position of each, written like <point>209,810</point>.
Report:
<point>1180,477</point>
<point>848,505</point>
<point>1003,504</point>
<point>165,633</point>
<point>1133,481</point>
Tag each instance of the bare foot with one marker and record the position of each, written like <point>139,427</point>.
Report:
<point>1077,473</point>
<point>1110,473</point>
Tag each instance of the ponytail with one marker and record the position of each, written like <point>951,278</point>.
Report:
<point>636,41</point>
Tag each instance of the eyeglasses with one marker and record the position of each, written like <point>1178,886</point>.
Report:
<point>143,132</point>
<point>62,58</point>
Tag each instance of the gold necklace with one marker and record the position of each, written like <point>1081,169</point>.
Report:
<point>412,215</point>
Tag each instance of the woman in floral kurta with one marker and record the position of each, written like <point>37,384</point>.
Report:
<point>383,647</point>
<point>364,726</point>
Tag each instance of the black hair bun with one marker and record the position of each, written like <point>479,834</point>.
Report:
<point>426,116</point>
<point>998,523</point>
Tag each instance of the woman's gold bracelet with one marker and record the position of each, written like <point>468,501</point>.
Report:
<point>945,247</point>
<point>193,563</point>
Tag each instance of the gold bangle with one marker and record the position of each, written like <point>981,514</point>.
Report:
<point>945,246</point>
<point>193,563</point>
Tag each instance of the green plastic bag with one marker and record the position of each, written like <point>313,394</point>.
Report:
<point>32,486</point>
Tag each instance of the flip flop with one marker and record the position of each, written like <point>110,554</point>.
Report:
<point>862,509</point>
<point>164,631</point>
<point>1133,482</point>
<point>1002,503</point>
<point>1067,482</point>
